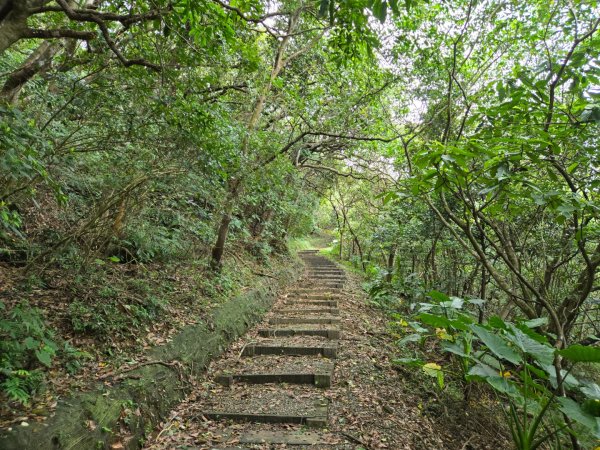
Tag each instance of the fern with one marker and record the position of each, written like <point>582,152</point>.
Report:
<point>15,388</point>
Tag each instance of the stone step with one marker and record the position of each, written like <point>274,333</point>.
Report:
<point>324,275</point>
<point>267,404</point>
<point>313,286</point>
<point>332,275</point>
<point>325,349</point>
<point>322,283</point>
<point>332,311</point>
<point>283,437</point>
<point>303,319</point>
<point>324,278</point>
<point>301,301</point>
<point>318,290</point>
<point>329,333</point>
<point>277,369</point>
<point>320,380</point>
<point>316,296</point>
<point>319,262</point>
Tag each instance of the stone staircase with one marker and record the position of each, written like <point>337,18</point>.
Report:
<point>280,374</point>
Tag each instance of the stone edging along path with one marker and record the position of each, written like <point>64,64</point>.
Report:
<point>93,420</point>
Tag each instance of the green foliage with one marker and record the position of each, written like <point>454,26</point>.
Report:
<point>520,366</point>
<point>26,345</point>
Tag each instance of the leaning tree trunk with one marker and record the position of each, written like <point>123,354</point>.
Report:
<point>39,61</point>
<point>219,248</point>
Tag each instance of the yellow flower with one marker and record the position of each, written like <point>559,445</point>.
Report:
<point>506,374</point>
<point>443,334</point>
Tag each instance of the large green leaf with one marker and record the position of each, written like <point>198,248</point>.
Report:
<point>44,356</point>
<point>534,323</point>
<point>411,362</point>
<point>456,348</point>
<point>439,296</point>
<point>439,321</point>
<point>581,353</point>
<point>576,413</point>
<point>454,303</point>
<point>497,345</point>
<point>540,352</point>
<point>592,390</point>
<point>567,378</point>
<point>504,386</point>
<point>496,322</point>
<point>483,371</point>
<point>435,320</point>
<point>415,337</point>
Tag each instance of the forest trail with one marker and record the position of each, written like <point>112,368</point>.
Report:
<point>316,373</point>
<point>296,348</point>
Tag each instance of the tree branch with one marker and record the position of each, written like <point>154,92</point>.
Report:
<point>93,17</point>
<point>34,33</point>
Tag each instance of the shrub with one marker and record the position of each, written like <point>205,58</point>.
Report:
<point>25,346</point>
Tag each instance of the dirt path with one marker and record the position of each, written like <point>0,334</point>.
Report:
<point>317,374</point>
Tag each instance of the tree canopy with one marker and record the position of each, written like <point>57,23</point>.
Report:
<point>450,146</point>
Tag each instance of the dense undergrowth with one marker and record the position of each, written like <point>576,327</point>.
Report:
<point>61,329</point>
<point>490,365</point>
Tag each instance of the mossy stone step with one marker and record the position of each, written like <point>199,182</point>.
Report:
<point>325,271</point>
<point>322,280</point>
<point>317,420</point>
<point>283,332</point>
<point>317,290</point>
<point>321,265</point>
<point>326,275</point>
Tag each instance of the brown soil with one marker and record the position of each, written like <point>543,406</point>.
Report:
<point>260,399</point>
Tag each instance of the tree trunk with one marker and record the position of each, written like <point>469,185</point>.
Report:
<point>13,24</point>
<point>390,264</point>
<point>236,184</point>
<point>219,248</point>
<point>39,61</point>
<point>13,20</point>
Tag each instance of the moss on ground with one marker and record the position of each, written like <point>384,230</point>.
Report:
<point>145,395</point>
